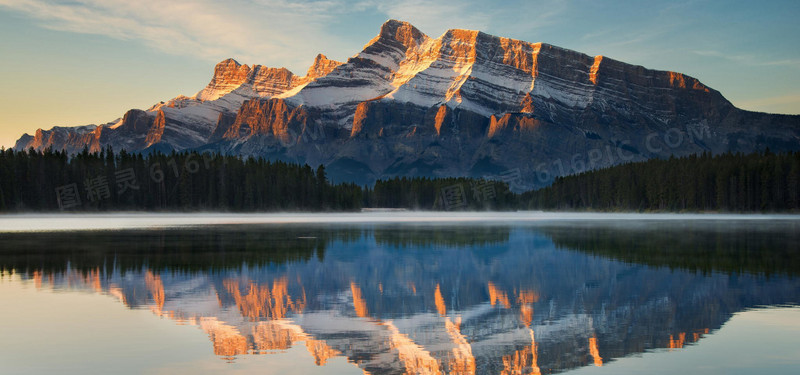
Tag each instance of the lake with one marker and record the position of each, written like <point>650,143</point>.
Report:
<point>399,293</point>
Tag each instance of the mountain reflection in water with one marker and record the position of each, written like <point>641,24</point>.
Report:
<point>431,299</point>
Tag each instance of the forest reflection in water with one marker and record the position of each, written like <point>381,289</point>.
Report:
<point>480,299</point>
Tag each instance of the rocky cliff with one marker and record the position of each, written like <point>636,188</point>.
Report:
<point>465,103</point>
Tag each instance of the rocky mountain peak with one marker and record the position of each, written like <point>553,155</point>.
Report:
<point>321,67</point>
<point>397,34</point>
<point>464,35</point>
<point>228,75</point>
<point>463,104</point>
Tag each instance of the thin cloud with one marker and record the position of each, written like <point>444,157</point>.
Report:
<point>272,32</point>
<point>267,31</point>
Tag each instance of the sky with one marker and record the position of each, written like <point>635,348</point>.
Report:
<point>77,62</point>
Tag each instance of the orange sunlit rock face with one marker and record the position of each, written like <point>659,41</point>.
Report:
<point>677,342</point>
<point>498,124</point>
<point>441,114</point>
<point>498,296</point>
<point>527,124</point>
<point>439,347</point>
<point>320,351</point>
<point>272,117</point>
<point>359,118</point>
<point>509,123</point>
<point>679,80</point>
<point>527,297</point>
<point>261,301</point>
<point>227,341</point>
<point>414,358</point>
<point>37,279</point>
<point>460,359</point>
<point>523,361</point>
<point>517,53</point>
<point>265,81</point>
<point>698,335</point>
<point>321,67</point>
<point>398,31</point>
<point>359,304</point>
<point>527,104</point>
<point>156,289</point>
<point>461,44</point>
<point>519,362</point>
<point>117,292</point>
<point>265,337</point>
<point>271,336</point>
<point>156,131</point>
<point>595,352</point>
<point>526,315</point>
<point>230,72</point>
<point>439,300</point>
<point>594,69</point>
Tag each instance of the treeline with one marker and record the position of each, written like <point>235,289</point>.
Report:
<point>444,194</point>
<point>758,249</point>
<point>192,181</point>
<point>176,249</point>
<point>728,182</point>
<point>179,181</point>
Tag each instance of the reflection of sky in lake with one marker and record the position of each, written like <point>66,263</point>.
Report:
<point>394,299</point>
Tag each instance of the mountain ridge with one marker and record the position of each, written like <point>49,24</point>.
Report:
<point>463,104</point>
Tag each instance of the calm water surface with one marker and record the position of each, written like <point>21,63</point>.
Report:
<point>399,293</point>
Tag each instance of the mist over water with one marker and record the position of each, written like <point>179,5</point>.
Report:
<point>75,222</point>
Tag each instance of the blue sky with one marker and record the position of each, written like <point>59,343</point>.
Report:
<point>78,62</point>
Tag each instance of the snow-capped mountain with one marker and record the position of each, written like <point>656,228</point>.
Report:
<point>465,103</point>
